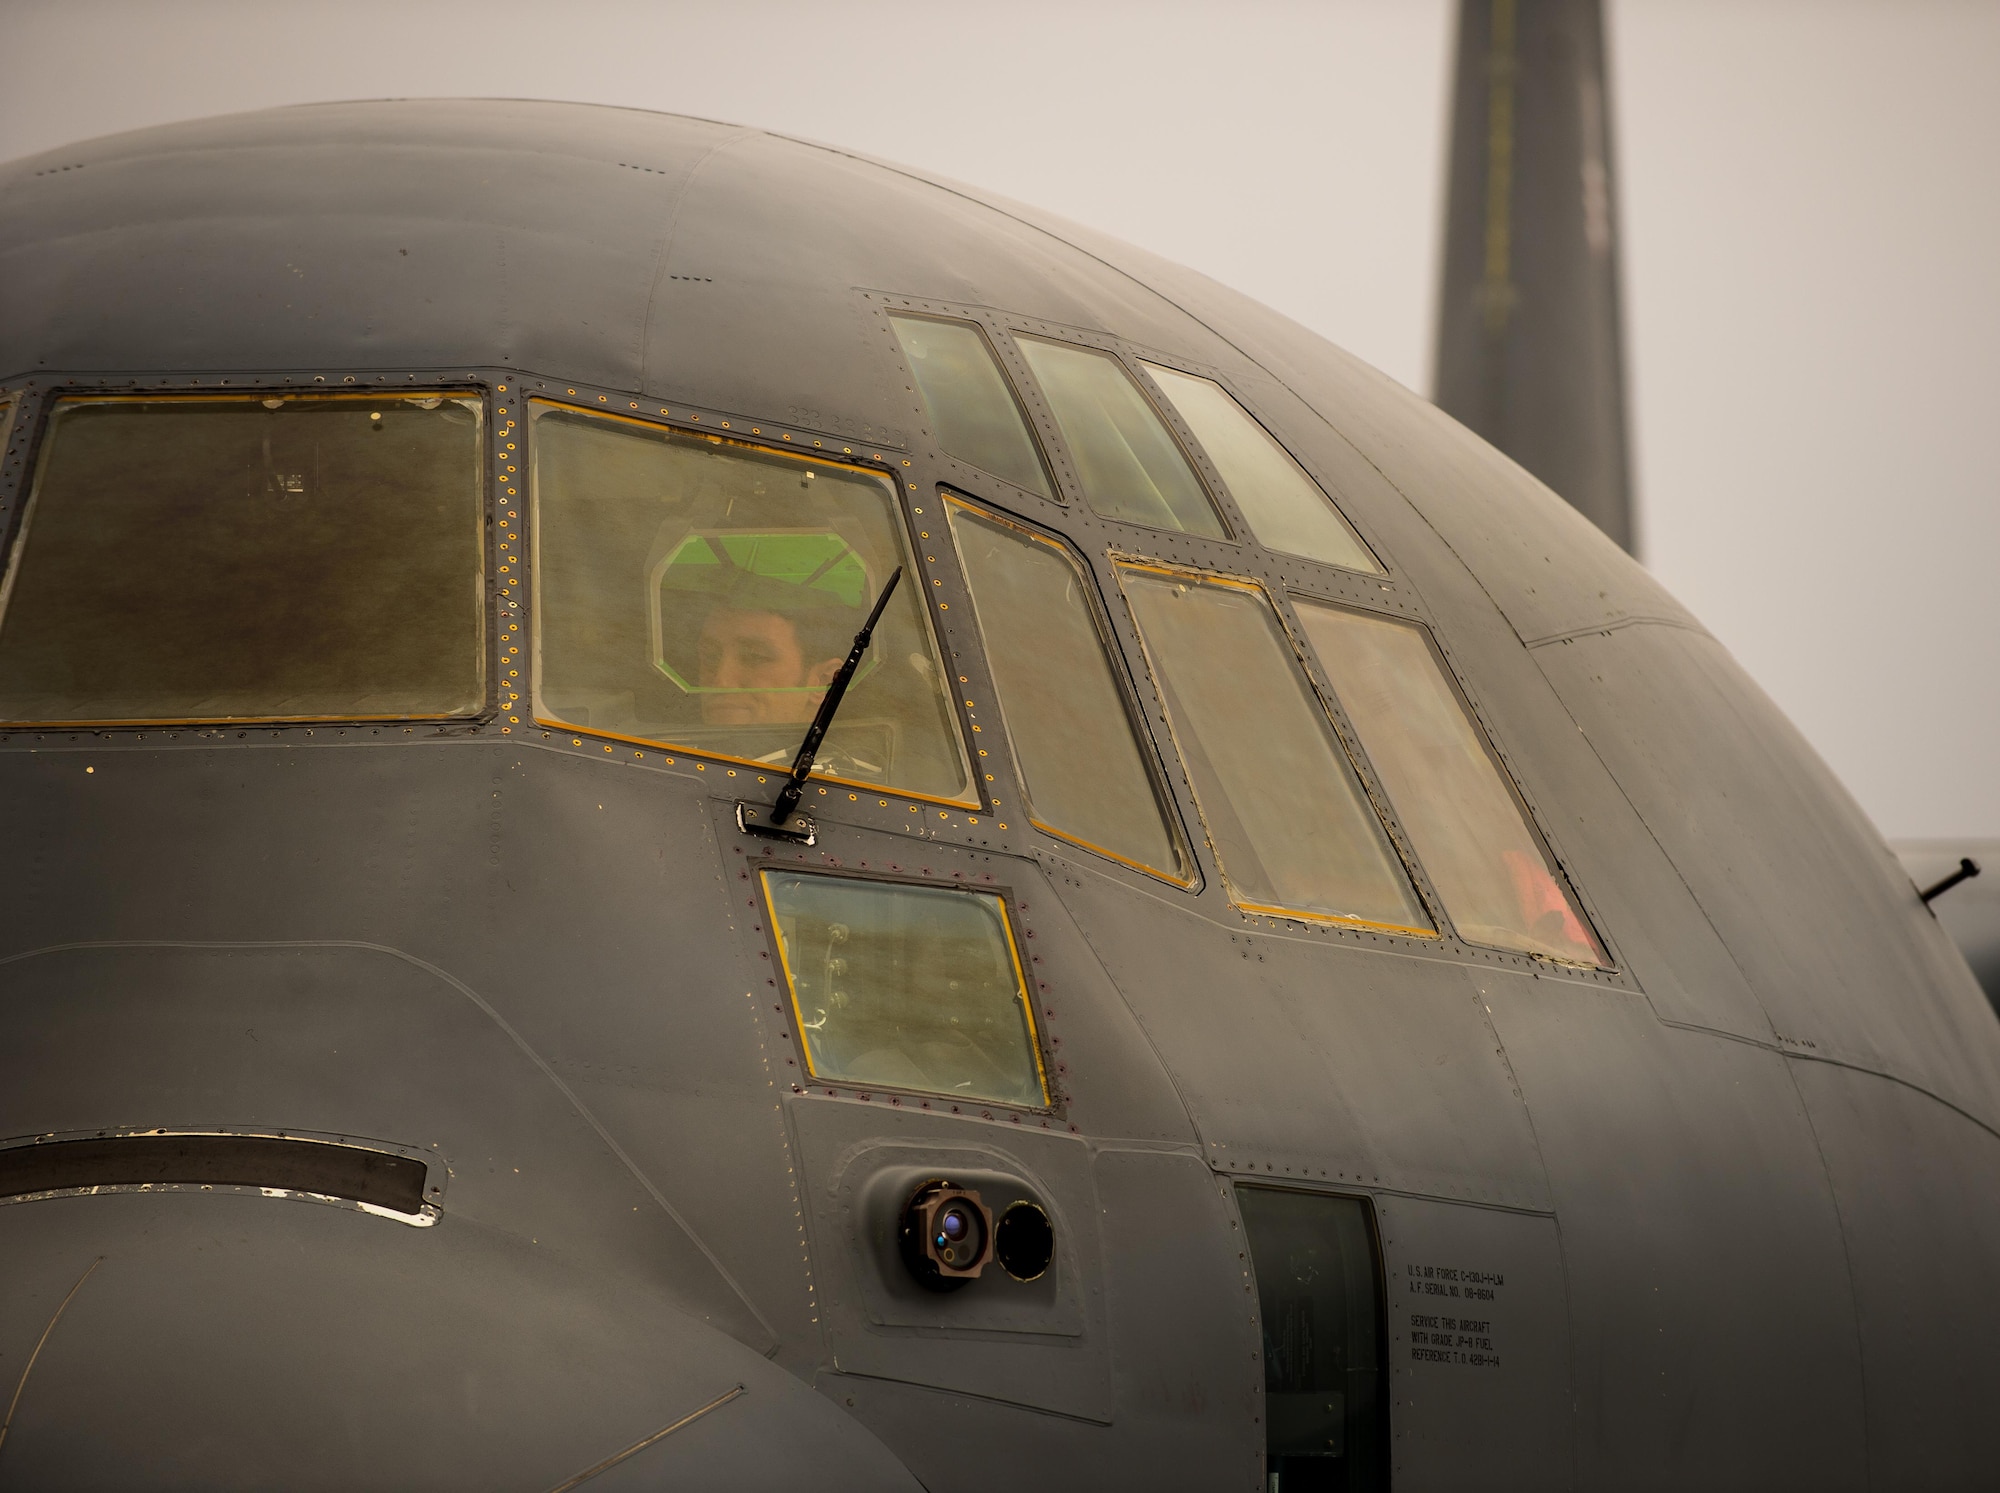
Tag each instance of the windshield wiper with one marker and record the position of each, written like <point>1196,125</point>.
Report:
<point>795,785</point>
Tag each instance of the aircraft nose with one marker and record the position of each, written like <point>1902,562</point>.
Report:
<point>228,1340</point>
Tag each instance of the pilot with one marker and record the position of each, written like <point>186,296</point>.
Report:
<point>753,625</point>
<point>759,667</point>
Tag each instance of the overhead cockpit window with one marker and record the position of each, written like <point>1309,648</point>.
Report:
<point>696,592</point>
<point>249,558</point>
<point>1131,467</point>
<point>1292,830</point>
<point>907,987</point>
<point>973,412</point>
<point>1467,827</point>
<point>1284,507</point>
<point>1085,772</point>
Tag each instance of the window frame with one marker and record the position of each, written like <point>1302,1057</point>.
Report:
<point>1002,892</point>
<point>1212,475</point>
<point>1011,380</point>
<point>1122,680</point>
<point>976,800</point>
<point>1235,532</point>
<point>31,429</point>
<point>1375,800</point>
<point>1358,750</point>
<point>1002,328</point>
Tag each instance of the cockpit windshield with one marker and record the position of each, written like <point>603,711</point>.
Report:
<point>701,593</point>
<point>249,557</point>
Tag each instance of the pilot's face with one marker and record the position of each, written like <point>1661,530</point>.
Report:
<point>757,656</point>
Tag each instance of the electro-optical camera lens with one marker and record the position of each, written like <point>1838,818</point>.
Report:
<point>947,1235</point>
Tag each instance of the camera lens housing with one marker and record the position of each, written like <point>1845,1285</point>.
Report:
<point>946,1235</point>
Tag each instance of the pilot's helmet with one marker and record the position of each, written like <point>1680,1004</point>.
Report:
<point>812,578</point>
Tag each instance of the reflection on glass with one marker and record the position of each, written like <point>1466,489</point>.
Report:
<point>702,594</point>
<point>1291,827</point>
<point>1082,765</point>
<point>1325,1418</point>
<point>909,987</point>
<point>1285,508</point>
<point>972,410</point>
<point>1465,825</point>
<point>1130,465</point>
<point>249,558</point>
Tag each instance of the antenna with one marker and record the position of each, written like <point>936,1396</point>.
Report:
<point>1967,869</point>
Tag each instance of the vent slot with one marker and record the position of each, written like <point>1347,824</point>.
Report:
<point>375,1179</point>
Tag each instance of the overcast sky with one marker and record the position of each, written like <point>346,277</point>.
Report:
<point>1810,192</point>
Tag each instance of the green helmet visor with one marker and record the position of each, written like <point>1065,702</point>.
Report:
<point>747,610</point>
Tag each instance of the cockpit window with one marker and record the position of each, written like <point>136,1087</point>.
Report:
<point>1468,829</point>
<point>696,592</point>
<point>908,987</point>
<point>1292,830</point>
<point>249,558</point>
<point>973,412</point>
<point>1284,507</point>
<point>1082,765</point>
<point>1131,467</point>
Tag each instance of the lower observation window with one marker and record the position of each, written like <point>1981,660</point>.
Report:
<point>907,987</point>
<point>249,558</point>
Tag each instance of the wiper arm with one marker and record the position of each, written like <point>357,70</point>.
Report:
<point>802,766</point>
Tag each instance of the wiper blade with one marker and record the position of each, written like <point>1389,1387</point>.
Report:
<point>802,766</point>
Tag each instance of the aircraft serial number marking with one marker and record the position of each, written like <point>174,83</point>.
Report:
<point>1436,1337</point>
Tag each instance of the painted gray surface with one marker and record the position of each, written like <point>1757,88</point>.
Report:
<point>1738,1189</point>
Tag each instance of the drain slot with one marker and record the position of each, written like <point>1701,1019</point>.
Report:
<point>355,1174</point>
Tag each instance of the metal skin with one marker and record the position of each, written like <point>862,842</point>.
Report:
<point>1739,1198</point>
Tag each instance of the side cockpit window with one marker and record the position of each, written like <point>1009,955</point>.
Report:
<point>1283,506</point>
<point>1292,830</point>
<point>973,412</point>
<point>1131,467</point>
<point>249,558</point>
<point>1497,883</point>
<point>695,592</point>
<point>907,987</point>
<point>1083,767</point>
